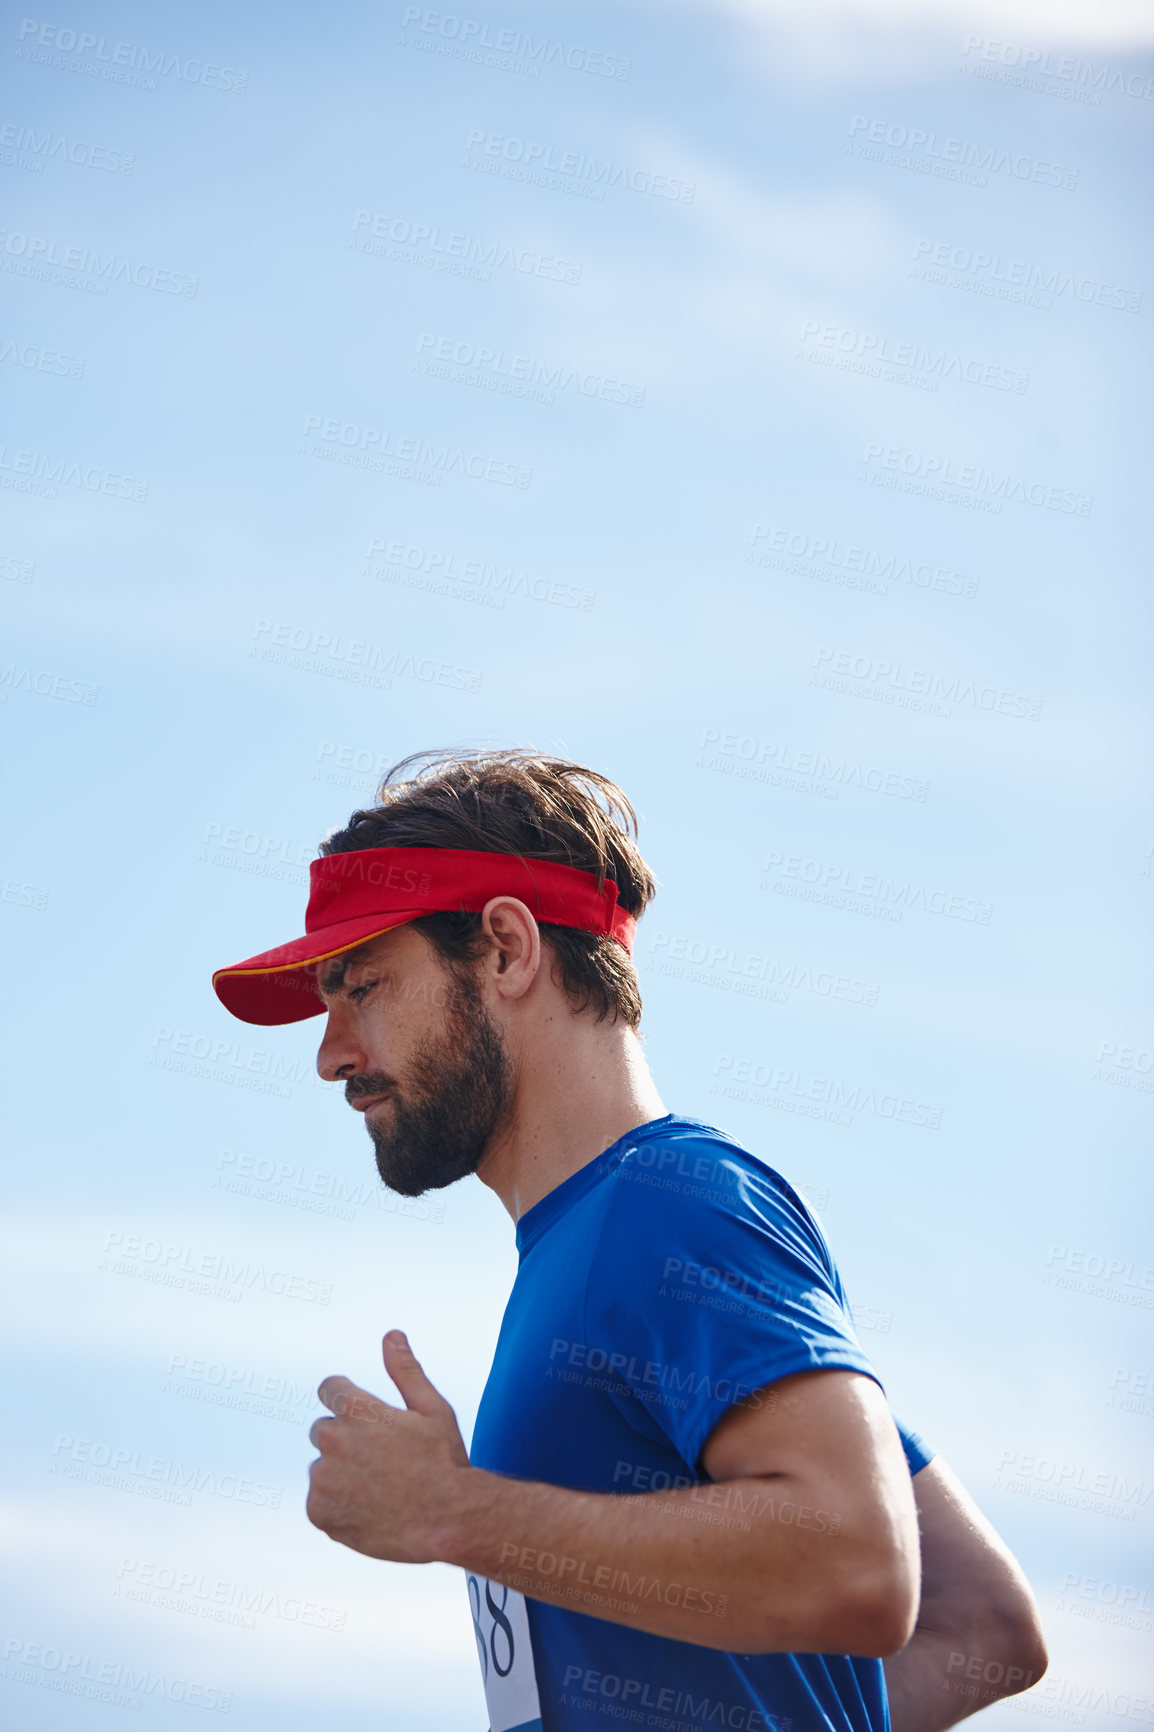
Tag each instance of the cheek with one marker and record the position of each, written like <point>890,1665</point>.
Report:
<point>429,994</point>
<point>391,1025</point>
<point>420,1003</point>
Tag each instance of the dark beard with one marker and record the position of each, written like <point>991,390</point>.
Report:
<point>439,1123</point>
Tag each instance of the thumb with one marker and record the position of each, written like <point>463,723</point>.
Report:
<point>402,1366</point>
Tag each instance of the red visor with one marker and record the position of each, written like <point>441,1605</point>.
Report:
<point>358,896</point>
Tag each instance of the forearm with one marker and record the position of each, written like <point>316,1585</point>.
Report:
<point>924,1695</point>
<point>977,1637</point>
<point>939,1678</point>
<point>913,1683</point>
<point>747,1566</point>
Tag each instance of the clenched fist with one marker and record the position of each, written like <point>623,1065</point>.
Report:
<point>388,1481</point>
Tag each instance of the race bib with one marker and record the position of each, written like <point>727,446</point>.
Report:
<point>501,1626</point>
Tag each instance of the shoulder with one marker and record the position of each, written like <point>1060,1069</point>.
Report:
<point>688,1183</point>
<point>708,1264</point>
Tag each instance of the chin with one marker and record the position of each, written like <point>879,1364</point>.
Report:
<point>407,1181</point>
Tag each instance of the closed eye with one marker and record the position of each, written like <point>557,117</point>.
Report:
<point>356,993</point>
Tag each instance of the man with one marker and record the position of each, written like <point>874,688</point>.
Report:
<point>688,1504</point>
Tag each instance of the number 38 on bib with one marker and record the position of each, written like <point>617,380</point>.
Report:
<point>501,1626</point>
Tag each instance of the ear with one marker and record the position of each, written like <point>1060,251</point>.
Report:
<point>514,959</point>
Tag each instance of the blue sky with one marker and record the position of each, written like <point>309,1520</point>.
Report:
<point>749,405</point>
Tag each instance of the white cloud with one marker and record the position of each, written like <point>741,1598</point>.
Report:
<point>141,1587</point>
<point>831,42</point>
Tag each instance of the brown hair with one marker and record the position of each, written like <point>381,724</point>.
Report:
<point>519,802</point>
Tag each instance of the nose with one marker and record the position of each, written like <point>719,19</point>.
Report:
<point>340,1053</point>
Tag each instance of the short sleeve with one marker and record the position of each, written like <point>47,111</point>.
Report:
<point>918,1452</point>
<point>703,1293</point>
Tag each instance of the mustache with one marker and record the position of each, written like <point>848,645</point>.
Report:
<point>373,1082</point>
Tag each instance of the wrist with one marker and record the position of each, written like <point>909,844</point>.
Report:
<point>454,1534</point>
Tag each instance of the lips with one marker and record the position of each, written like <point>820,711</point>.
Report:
<point>368,1102</point>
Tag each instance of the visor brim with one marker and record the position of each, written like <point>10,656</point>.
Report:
<point>279,985</point>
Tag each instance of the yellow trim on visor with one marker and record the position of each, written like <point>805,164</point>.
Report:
<point>309,961</point>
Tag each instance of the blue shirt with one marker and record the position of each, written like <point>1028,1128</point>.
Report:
<point>659,1284</point>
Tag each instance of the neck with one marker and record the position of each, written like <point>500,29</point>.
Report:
<point>583,1086</point>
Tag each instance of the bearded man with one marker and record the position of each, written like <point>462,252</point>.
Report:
<point>687,1503</point>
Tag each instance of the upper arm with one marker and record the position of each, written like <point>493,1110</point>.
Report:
<point>830,1436</point>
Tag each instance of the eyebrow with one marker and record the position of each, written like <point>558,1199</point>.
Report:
<point>334,976</point>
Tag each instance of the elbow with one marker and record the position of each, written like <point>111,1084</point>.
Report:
<point>1018,1656</point>
<point>996,1640</point>
<point>879,1611</point>
<point>1031,1656</point>
<point>883,1626</point>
